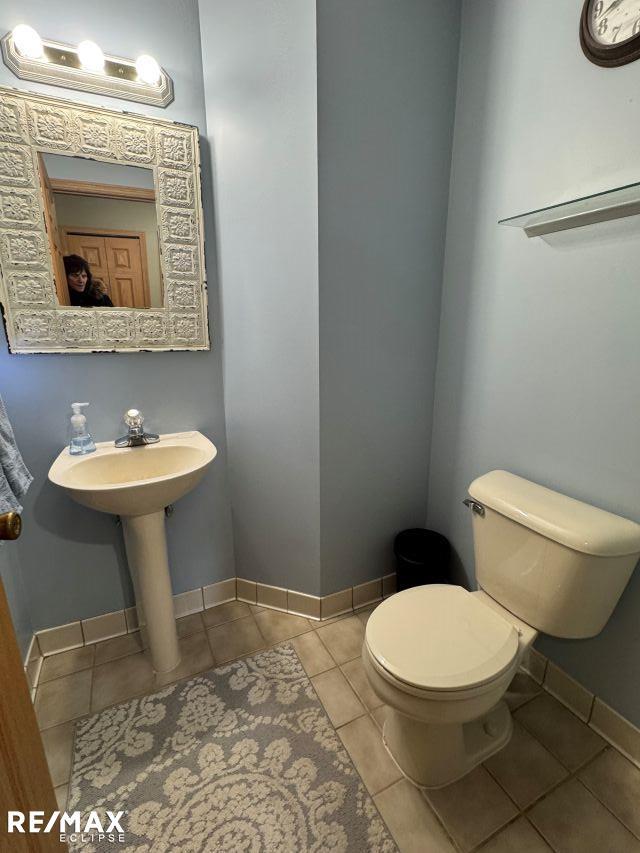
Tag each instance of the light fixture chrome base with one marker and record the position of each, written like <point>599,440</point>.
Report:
<point>60,66</point>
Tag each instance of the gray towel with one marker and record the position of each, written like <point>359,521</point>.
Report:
<point>15,477</point>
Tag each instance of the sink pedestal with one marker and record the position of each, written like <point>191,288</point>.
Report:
<point>146,545</point>
<point>137,483</point>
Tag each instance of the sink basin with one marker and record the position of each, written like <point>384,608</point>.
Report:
<point>135,480</point>
<point>137,483</point>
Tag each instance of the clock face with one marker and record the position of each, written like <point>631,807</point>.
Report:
<point>614,21</point>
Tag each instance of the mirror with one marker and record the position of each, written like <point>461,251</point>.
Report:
<point>101,231</point>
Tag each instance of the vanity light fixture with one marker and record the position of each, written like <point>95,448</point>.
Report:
<point>27,42</point>
<point>91,57</point>
<point>148,70</point>
<point>85,67</point>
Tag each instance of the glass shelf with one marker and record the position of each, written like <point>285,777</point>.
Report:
<point>600,207</point>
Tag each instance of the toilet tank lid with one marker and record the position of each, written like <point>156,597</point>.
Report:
<point>577,525</point>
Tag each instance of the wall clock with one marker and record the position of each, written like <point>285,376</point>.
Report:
<point>610,31</point>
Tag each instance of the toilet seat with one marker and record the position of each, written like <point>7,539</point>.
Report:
<point>440,638</point>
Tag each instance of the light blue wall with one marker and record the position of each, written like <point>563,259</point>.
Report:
<point>72,558</point>
<point>11,574</point>
<point>386,95</point>
<point>539,354</point>
<point>260,82</point>
<point>343,359</point>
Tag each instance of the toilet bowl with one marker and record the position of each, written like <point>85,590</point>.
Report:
<point>441,659</point>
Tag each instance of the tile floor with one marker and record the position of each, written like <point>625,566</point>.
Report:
<point>557,785</point>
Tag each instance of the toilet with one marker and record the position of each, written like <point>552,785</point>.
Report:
<point>442,658</point>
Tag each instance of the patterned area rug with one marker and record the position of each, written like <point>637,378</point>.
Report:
<point>242,758</point>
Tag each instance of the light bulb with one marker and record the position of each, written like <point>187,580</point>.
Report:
<point>90,56</point>
<point>148,70</point>
<point>27,42</point>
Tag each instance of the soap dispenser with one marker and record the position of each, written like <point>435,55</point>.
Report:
<point>80,441</point>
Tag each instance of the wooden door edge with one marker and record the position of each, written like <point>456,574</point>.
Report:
<point>25,781</point>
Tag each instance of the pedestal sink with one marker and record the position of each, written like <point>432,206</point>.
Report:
<point>137,483</point>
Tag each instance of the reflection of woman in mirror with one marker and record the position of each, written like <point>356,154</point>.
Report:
<point>84,290</point>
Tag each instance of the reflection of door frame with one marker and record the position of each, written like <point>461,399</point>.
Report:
<point>53,235</point>
<point>89,188</point>
<point>112,232</point>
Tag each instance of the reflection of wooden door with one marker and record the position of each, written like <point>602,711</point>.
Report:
<point>55,243</point>
<point>93,250</point>
<point>118,260</point>
<point>124,256</point>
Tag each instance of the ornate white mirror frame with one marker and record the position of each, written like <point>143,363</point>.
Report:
<point>34,320</point>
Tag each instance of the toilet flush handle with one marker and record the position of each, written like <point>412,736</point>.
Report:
<point>474,506</point>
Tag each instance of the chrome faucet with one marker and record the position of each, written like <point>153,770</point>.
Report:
<point>136,437</point>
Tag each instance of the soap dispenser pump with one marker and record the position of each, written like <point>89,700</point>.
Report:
<point>80,441</point>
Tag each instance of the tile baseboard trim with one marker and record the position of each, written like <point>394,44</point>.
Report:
<point>219,593</point>
<point>604,720</point>
<point>272,597</point>
<point>62,638</point>
<point>187,603</point>
<point>85,632</point>
<point>617,730</point>
<point>608,723</point>
<point>118,623</point>
<point>535,664</point>
<point>316,607</point>
<point>568,691</point>
<point>104,627</point>
<point>302,604</point>
<point>336,604</point>
<point>246,591</point>
<point>33,661</point>
<point>32,647</point>
<point>389,585</point>
<point>366,594</point>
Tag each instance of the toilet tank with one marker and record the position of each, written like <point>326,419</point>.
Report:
<point>558,564</point>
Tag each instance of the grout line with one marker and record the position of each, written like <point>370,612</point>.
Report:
<point>267,646</point>
<point>593,703</point>
<point>536,830</point>
<point>38,673</point>
<point>502,787</point>
<point>434,813</point>
<point>208,639</point>
<point>571,774</point>
<point>391,784</point>
<point>319,623</point>
<point>524,811</point>
<point>497,832</point>
<point>439,820</point>
<point>521,812</point>
<point>349,611</point>
<point>255,622</point>
<point>313,628</point>
<point>603,804</point>
<point>324,646</point>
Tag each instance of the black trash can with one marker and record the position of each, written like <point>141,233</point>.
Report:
<point>422,556</point>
